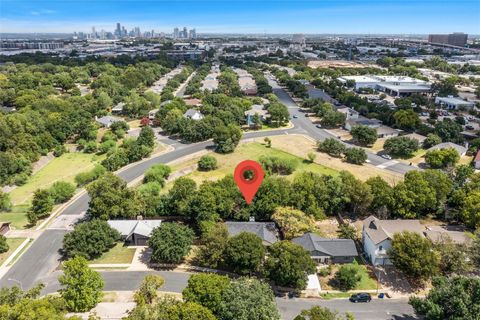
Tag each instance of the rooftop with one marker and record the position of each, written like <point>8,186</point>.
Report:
<point>129,227</point>
<point>380,230</point>
<point>446,145</point>
<point>332,247</point>
<point>267,231</point>
<point>454,101</point>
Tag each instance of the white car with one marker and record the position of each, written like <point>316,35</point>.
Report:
<point>386,156</point>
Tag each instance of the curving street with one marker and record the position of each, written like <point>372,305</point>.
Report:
<point>39,262</point>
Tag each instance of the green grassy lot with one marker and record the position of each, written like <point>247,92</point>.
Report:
<point>367,279</point>
<point>335,295</point>
<point>17,217</point>
<point>251,151</point>
<point>117,255</point>
<point>63,168</point>
<point>13,244</point>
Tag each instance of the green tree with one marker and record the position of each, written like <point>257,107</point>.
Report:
<point>214,243</point>
<point>288,264</point>
<point>414,255</point>
<point>355,155</point>
<point>90,239</point>
<point>363,135</point>
<point>403,147</point>
<point>320,313</point>
<point>470,210</point>
<point>383,196</point>
<point>442,158</point>
<point>5,203</point>
<point>333,119</point>
<point>450,298</point>
<point>146,137</point>
<point>448,130</point>
<point>3,244</point>
<point>206,289</point>
<point>61,191</point>
<point>292,222</point>
<point>311,157</point>
<point>407,119</point>
<point>347,277</point>
<point>431,140</point>
<point>110,198</point>
<point>278,114</point>
<point>170,242</point>
<point>347,231</point>
<point>226,138</point>
<point>332,146</point>
<point>147,292</point>
<point>454,258</point>
<point>82,287</point>
<point>248,299</point>
<point>244,253</point>
<point>157,173</point>
<point>207,163</point>
<point>42,205</point>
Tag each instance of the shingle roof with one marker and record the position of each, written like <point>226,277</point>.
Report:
<point>445,145</point>
<point>267,231</point>
<point>380,230</point>
<point>331,247</point>
<point>129,227</point>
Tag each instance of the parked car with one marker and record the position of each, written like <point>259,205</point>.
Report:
<point>386,156</point>
<point>306,115</point>
<point>319,126</point>
<point>360,297</point>
<point>469,127</point>
<point>295,116</point>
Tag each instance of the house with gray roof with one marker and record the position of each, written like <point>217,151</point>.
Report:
<point>323,250</point>
<point>135,232</point>
<point>450,145</point>
<point>267,231</point>
<point>193,114</point>
<point>377,236</point>
<point>107,121</point>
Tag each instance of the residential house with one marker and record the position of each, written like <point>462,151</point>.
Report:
<point>107,121</point>
<point>118,108</point>
<point>476,161</point>
<point>324,250</point>
<point>193,114</point>
<point>152,113</point>
<point>416,136</point>
<point>377,237</point>
<point>267,231</point>
<point>193,102</point>
<point>455,233</point>
<point>387,132</point>
<point>256,109</point>
<point>350,114</point>
<point>449,145</point>
<point>135,232</point>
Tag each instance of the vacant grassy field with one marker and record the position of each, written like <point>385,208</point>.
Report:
<point>300,146</point>
<point>63,168</point>
<point>17,217</point>
<point>252,151</point>
<point>117,255</point>
<point>13,244</point>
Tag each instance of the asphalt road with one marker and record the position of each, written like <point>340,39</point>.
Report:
<point>39,261</point>
<point>288,308</point>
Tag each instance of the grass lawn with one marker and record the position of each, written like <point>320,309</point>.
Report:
<point>367,279</point>
<point>253,151</point>
<point>13,244</point>
<point>335,295</point>
<point>17,217</point>
<point>117,255</point>
<point>63,168</point>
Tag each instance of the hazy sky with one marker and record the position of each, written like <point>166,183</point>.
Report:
<point>327,16</point>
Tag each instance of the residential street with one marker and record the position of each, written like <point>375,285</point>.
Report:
<point>43,256</point>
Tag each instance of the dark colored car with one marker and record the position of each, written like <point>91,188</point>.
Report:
<point>360,297</point>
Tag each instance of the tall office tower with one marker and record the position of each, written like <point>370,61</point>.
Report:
<point>118,31</point>
<point>192,34</point>
<point>124,31</point>
<point>176,34</point>
<point>94,33</point>
<point>137,32</point>
<point>184,33</point>
<point>455,39</point>
<point>153,34</point>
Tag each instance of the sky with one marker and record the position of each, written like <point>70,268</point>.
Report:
<point>247,16</point>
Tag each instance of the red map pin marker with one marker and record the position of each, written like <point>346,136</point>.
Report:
<point>248,187</point>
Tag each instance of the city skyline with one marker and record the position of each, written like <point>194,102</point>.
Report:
<point>309,17</point>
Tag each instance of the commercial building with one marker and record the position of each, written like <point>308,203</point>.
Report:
<point>458,39</point>
<point>453,103</point>
<point>398,86</point>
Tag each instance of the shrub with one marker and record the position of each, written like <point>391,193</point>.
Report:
<point>90,147</point>
<point>61,191</point>
<point>89,176</point>
<point>277,165</point>
<point>59,150</point>
<point>3,244</point>
<point>106,146</point>
<point>347,276</point>
<point>207,163</point>
<point>157,173</point>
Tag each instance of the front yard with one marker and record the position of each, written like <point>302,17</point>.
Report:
<point>367,279</point>
<point>120,254</point>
